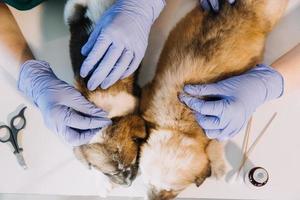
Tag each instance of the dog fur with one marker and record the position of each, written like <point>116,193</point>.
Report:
<point>203,48</point>
<point>114,150</point>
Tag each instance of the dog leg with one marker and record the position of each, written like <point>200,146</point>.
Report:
<point>274,10</point>
<point>215,155</point>
<point>269,11</point>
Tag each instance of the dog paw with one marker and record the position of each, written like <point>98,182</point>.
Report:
<point>218,169</point>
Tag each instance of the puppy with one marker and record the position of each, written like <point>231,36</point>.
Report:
<point>202,48</point>
<point>114,150</point>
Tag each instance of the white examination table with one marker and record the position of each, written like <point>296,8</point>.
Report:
<point>54,170</point>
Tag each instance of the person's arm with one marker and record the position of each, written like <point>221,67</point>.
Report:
<point>66,112</point>
<point>288,66</point>
<point>14,49</point>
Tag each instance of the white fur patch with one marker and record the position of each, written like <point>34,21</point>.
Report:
<point>170,160</point>
<point>159,135</point>
<point>70,8</point>
<point>116,105</point>
<point>155,177</point>
<point>95,8</point>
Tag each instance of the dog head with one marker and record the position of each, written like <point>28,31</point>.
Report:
<point>170,161</point>
<point>115,151</point>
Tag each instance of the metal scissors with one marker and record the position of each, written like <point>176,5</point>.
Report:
<point>10,134</point>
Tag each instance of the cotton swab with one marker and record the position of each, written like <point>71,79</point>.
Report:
<point>246,139</point>
<point>237,175</point>
<point>261,134</point>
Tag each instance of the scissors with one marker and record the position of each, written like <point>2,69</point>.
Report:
<point>10,134</point>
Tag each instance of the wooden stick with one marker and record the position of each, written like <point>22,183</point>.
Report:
<point>261,134</point>
<point>245,145</point>
<point>248,152</point>
<point>247,135</point>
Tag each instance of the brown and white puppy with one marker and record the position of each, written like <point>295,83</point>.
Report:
<point>114,150</point>
<point>202,48</point>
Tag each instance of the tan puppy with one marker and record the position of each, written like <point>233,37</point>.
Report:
<point>114,150</point>
<point>202,48</point>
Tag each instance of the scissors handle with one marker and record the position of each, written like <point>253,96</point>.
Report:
<point>7,136</point>
<point>5,133</point>
<point>16,127</point>
<point>11,133</point>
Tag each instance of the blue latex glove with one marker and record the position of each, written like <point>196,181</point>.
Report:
<point>64,109</point>
<point>213,5</point>
<point>237,99</point>
<point>118,43</point>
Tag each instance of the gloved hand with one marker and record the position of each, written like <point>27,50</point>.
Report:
<point>65,110</point>
<point>212,4</point>
<point>118,43</point>
<point>237,99</point>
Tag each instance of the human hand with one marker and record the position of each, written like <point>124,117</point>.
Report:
<point>118,43</point>
<point>213,5</point>
<point>64,109</point>
<point>237,99</point>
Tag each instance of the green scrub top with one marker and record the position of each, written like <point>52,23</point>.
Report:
<point>23,4</point>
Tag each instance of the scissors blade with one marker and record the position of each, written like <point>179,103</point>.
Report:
<point>20,159</point>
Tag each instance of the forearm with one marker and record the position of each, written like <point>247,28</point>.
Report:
<point>13,47</point>
<point>289,67</point>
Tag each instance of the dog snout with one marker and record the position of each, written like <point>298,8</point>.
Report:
<point>125,177</point>
<point>128,176</point>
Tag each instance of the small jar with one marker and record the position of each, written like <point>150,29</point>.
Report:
<point>257,177</point>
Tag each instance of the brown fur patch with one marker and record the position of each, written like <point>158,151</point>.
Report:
<point>117,153</point>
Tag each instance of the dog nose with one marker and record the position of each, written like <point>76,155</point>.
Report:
<point>127,173</point>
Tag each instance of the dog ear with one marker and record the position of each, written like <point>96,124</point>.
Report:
<point>136,124</point>
<point>138,127</point>
<point>91,154</point>
<point>199,181</point>
<point>201,178</point>
<point>132,124</point>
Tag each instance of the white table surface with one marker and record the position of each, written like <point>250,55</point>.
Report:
<point>52,167</point>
